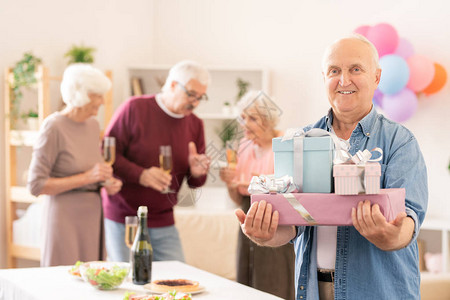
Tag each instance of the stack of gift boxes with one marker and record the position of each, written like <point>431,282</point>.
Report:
<point>327,188</point>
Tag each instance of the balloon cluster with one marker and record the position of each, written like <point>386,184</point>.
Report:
<point>404,73</point>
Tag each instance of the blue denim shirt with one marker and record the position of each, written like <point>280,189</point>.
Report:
<point>362,271</point>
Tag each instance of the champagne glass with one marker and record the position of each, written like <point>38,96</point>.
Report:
<point>109,152</point>
<point>165,163</point>
<point>131,224</point>
<point>231,152</point>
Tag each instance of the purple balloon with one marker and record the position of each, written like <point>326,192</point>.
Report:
<point>378,98</point>
<point>404,49</point>
<point>401,106</point>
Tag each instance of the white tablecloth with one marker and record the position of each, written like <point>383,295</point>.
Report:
<point>56,283</point>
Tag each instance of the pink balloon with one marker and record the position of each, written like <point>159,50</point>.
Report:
<point>384,37</point>
<point>362,30</point>
<point>404,49</point>
<point>401,106</point>
<point>421,72</point>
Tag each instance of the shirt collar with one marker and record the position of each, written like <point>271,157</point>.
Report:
<point>165,109</point>
<point>366,124</point>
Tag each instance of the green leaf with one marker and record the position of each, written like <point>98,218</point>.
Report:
<point>80,54</point>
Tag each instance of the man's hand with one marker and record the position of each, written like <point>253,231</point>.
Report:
<point>260,225</point>
<point>155,178</point>
<point>387,236</point>
<point>198,163</point>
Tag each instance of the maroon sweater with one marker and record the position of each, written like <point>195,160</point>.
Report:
<point>140,126</point>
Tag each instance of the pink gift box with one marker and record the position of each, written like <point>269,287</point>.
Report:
<point>372,173</point>
<point>330,209</point>
<point>347,179</point>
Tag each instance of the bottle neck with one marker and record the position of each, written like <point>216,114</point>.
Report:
<point>143,229</point>
<point>143,221</point>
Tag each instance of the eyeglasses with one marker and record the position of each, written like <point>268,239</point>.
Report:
<point>203,97</point>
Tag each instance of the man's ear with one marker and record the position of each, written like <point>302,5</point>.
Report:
<point>377,76</point>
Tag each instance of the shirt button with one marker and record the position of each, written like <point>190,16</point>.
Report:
<point>368,133</point>
<point>301,297</point>
<point>301,287</point>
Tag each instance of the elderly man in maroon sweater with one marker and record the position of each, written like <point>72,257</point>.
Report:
<point>141,125</point>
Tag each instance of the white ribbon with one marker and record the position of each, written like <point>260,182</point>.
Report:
<point>298,134</point>
<point>361,157</point>
<point>265,184</point>
<point>300,209</point>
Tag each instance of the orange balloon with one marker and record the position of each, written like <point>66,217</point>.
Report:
<point>438,82</point>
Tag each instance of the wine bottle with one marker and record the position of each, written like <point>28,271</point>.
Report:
<point>142,251</point>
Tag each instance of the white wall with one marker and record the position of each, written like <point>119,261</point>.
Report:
<point>121,31</point>
<point>289,37</point>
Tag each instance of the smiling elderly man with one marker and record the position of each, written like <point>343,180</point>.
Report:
<point>141,125</point>
<point>374,259</point>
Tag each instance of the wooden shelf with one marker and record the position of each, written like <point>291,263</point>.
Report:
<point>20,194</point>
<point>25,252</point>
<point>436,224</point>
<point>443,226</point>
<point>216,116</point>
<point>23,137</point>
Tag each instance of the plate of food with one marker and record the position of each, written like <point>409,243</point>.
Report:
<point>75,270</point>
<point>168,296</point>
<point>162,286</point>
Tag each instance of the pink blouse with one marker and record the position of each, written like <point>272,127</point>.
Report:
<point>252,161</point>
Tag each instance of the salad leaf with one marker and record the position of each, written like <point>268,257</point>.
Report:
<point>75,270</point>
<point>106,279</point>
<point>127,295</point>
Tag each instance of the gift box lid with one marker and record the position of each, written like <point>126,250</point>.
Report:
<point>309,144</point>
<point>279,146</point>
<point>372,169</point>
<point>345,170</point>
<point>318,143</point>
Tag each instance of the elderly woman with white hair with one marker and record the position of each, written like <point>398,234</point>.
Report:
<point>267,269</point>
<point>67,167</point>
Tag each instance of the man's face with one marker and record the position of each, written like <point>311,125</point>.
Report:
<point>181,102</point>
<point>351,77</point>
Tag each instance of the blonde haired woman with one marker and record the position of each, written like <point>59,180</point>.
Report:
<point>68,168</point>
<point>267,269</point>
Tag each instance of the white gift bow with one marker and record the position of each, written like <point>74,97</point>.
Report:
<point>361,157</point>
<point>298,134</point>
<point>264,184</point>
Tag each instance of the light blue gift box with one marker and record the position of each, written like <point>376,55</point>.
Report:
<point>318,153</point>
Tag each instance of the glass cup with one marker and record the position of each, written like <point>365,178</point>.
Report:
<point>131,225</point>
<point>166,163</point>
<point>109,150</point>
<point>109,153</point>
<point>231,152</point>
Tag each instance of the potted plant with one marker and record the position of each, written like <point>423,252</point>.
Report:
<point>23,75</point>
<point>226,108</point>
<point>32,119</point>
<point>227,132</point>
<point>80,54</point>
<point>242,90</point>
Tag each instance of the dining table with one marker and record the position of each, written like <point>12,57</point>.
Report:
<point>46,283</point>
